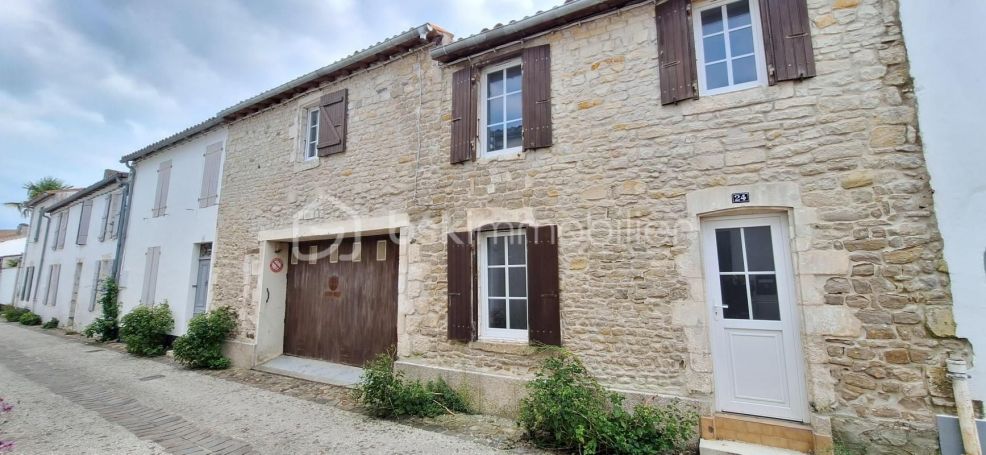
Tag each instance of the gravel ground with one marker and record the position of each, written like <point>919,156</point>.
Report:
<point>45,421</point>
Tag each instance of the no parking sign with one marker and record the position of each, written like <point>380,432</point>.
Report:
<point>276,265</point>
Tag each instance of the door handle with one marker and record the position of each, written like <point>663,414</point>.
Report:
<point>725,307</point>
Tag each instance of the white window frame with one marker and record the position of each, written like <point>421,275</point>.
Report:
<point>306,139</point>
<point>485,332</point>
<point>483,102</point>
<point>758,50</point>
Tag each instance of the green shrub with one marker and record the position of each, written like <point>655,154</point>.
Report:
<point>202,345</point>
<point>566,408</point>
<point>386,393</point>
<point>106,326</point>
<point>29,318</point>
<point>51,324</point>
<point>145,329</point>
<point>13,314</point>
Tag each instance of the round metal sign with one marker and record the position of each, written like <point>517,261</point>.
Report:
<point>276,265</point>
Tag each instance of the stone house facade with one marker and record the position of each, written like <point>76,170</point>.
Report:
<point>640,198</point>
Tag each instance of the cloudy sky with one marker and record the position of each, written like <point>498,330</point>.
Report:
<point>84,82</point>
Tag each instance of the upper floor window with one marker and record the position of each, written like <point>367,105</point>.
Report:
<point>501,116</point>
<point>311,134</point>
<point>729,46</point>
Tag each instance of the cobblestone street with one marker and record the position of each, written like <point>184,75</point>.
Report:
<point>71,397</point>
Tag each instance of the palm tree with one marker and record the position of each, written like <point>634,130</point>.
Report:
<point>35,189</point>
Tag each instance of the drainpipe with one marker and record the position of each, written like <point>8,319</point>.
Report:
<point>41,262</point>
<point>123,221</point>
<point>957,371</point>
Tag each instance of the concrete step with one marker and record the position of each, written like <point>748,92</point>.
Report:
<point>710,447</point>
<point>313,370</point>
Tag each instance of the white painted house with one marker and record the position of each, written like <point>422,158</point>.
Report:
<point>80,250</point>
<point>33,261</point>
<point>172,222</point>
<point>11,252</point>
<point>944,46</point>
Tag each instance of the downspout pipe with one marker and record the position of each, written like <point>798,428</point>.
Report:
<point>958,373</point>
<point>123,221</point>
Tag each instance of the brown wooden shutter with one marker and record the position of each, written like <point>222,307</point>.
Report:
<point>536,91</point>
<point>544,312</point>
<point>332,113</point>
<point>460,286</point>
<point>787,40</point>
<point>676,52</point>
<point>464,117</point>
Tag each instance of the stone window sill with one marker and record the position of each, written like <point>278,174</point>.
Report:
<point>304,165</point>
<point>502,347</point>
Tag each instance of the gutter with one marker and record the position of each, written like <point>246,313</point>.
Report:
<point>123,221</point>
<point>569,12</point>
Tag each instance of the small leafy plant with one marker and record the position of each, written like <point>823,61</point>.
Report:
<point>13,314</point>
<point>386,393</point>
<point>51,324</point>
<point>29,318</point>
<point>145,329</point>
<point>566,408</point>
<point>202,346</point>
<point>106,327</point>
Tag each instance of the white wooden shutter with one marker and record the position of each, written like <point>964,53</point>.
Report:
<point>83,235</point>
<point>51,294</point>
<point>96,283</point>
<point>153,255</point>
<point>106,217</point>
<point>116,201</point>
<point>161,194</point>
<point>210,175</point>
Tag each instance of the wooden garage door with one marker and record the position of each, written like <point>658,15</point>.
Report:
<point>342,305</point>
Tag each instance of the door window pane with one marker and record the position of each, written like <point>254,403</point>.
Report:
<point>497,282</point>
<point>763,296</point>
<point>734,297</point>
<point>518,314</point>
<point>517,249</point>
<point>518,282</point>
<point>498,314</point>
<point>759,249</point>
<point>730,250</point>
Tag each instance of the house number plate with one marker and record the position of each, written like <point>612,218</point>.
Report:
<point>741,198</point>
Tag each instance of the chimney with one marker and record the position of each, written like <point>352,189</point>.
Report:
<point>22,229</point>
<point>109,173</point>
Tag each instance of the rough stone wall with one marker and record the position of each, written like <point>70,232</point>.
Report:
<point>617,182</point>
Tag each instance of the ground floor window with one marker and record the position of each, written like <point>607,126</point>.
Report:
<point>503,285</point>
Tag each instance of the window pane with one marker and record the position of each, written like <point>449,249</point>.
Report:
<point>738,13</point>
<point>714,47</point>
<point>312,135</point>
<point>711,21</point>
<point>518,281</point>
<point>311,149</point>
<point>494,111</point>
<point>513,107</point>
<point>763,295</point>
<point>495,250</point>
<point>716,76</point>
<point>313,117</point>
<point>498,314</point>
<point>734,297</point>
<point>759,249</point>
<point>494,138</point>
<point>730,250</point>
<point>496,283</point>
<point>494,84</point>
<point>518,314</point>
<point>516,249</point>
<point>513,79</point>
<point>741,41</point>
<point>514,134</point>
<point>744,70</point>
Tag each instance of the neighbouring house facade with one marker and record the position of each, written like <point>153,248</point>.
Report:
<point>171,227</point>
<point>81,248</point>
<point>32,263</point>
<point>953,141</point>
<point>724,202</point>
<point>11,253</point>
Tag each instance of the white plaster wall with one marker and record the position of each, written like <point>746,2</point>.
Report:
<point>8,282</point>
<point>177,233</point>
<point>34,250</point>
<point>945,46</point>
<point>93,251</point>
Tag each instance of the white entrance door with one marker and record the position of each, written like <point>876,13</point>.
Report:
<point>756,348</point>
